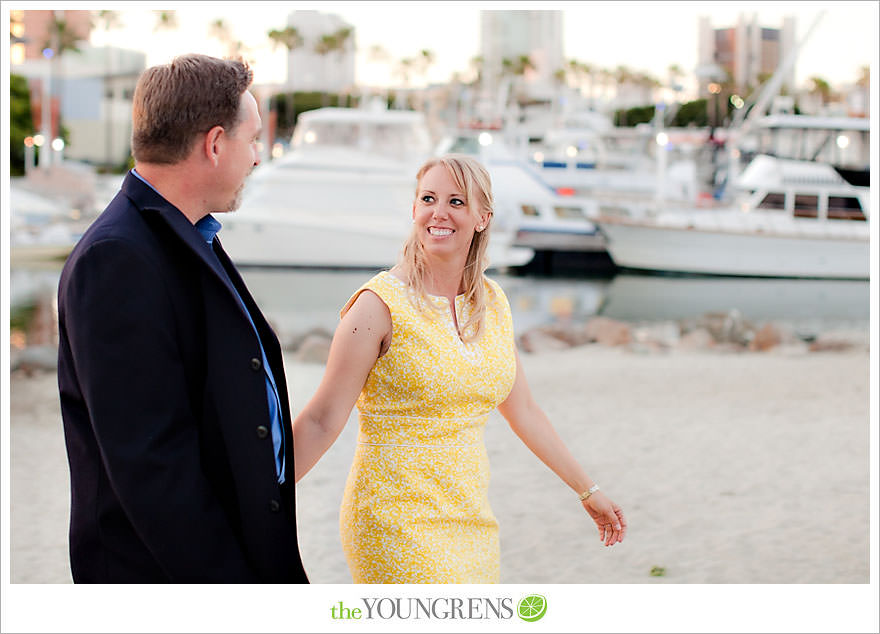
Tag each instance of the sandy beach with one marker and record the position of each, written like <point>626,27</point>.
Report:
<point>726,464</point>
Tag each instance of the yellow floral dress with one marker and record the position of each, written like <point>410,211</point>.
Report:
<point>416,507</point>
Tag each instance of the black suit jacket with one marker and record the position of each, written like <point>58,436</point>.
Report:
<point>163,399</point>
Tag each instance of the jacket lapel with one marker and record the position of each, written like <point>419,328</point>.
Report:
<point>151,203</point>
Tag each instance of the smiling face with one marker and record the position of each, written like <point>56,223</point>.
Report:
<point>444,221</point>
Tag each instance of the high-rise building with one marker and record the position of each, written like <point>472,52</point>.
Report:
<point>746,54</point>
<point>324,61</point>
<point>507,37</point>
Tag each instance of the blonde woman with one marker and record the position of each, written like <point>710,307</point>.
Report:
<point>426,351</point>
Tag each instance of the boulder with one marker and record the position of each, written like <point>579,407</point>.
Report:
<point>697,339</point>
<point>827,344</point>
<point>539,340</point>
<point>769,336</point>
<point>35,358</point>
<point>729,327</point>
<point>314,348</point>
<point>608,332</point>
<point>664,334</point>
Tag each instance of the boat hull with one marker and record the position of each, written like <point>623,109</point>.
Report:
<point>694,251</point>
<point>299,239</point>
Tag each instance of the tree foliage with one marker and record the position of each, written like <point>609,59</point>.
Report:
<point>290,105</point>
<point>21,122</point>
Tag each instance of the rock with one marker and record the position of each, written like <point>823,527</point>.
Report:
<point>314,348</point>
<point>607,332</point>
<point>769,336</point>
<point>295,342</point>
<point>696,339</point>
<point>35,358</point>
<point>647,347</point>
<point>539,340</point>
<point>665,334</point>
<point>729,327</point>
<point>830,345</point>
<point>572,334</point>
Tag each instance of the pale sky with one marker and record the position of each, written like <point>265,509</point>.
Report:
<point>644,36</point>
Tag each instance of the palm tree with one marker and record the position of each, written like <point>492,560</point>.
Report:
<point>220,30</point>
<point>335,42</point>
<point>165,21</point>
<point>403,69</point>
<point>821,88</point>
<point>421,64</point>
<point>675,73</point>
<point>107,21</point>
<point>289,37</point>
<point>424,61</point>
<point>477,64</point>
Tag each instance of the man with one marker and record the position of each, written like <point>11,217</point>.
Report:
<point>173,394</point>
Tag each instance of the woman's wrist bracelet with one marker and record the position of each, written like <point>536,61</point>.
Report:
<point>586,494</point>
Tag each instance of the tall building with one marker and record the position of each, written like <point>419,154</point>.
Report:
<point>310,69</point>
<point>511,35</point>
<point>747,53</point>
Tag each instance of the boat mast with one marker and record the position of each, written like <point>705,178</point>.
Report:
<point>745,118</point>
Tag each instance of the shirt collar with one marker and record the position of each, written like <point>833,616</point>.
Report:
<point>208,227</point>
<point>144,180</point>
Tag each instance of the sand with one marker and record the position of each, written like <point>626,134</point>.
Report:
<point>730,467</point>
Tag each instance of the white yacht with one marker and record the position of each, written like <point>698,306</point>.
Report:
<point>342,197</point>
<point>789,219</point>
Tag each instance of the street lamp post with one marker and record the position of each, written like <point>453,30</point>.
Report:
<point>46,108</point>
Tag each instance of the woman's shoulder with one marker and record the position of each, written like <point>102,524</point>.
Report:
<point>383,284</point>
<point>494,291</point>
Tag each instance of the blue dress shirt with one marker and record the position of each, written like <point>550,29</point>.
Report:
<point>208,228</point>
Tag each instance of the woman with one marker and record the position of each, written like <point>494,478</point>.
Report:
<point>427,351</point>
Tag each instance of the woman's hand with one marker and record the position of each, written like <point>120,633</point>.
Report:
<point>608,517</point>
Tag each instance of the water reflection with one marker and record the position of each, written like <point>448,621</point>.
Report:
<point>823,303</point>
<point>299,300</point>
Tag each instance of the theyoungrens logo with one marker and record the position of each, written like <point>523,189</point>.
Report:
<point>530,608</point>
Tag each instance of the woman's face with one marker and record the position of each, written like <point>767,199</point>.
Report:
<point>444,221</point>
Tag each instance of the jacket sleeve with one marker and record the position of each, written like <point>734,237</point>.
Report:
<point>124,341</point>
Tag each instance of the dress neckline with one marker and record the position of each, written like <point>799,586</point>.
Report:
<point>405,285</point>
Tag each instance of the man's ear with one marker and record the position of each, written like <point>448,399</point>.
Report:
<point>213,143</point>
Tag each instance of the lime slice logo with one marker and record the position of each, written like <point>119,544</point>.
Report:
<point>532,608</point>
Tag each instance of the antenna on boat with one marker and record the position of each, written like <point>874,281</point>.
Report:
<point>745,117</point>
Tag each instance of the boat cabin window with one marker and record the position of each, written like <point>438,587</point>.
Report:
<point>382,139</point>
<point>806,206</point>
<point>845,208</point>
<point>568,212</point>
<point>465,145</point>
<point>529,210</point>
<point>773,200</point>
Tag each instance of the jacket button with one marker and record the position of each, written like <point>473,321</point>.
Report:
<point>274,506</point>
<point>262,431</point>
<point>256,364</point>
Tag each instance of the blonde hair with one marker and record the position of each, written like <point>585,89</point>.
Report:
<point>473,180</point>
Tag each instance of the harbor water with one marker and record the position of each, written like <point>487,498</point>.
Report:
<point>299,301</point>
